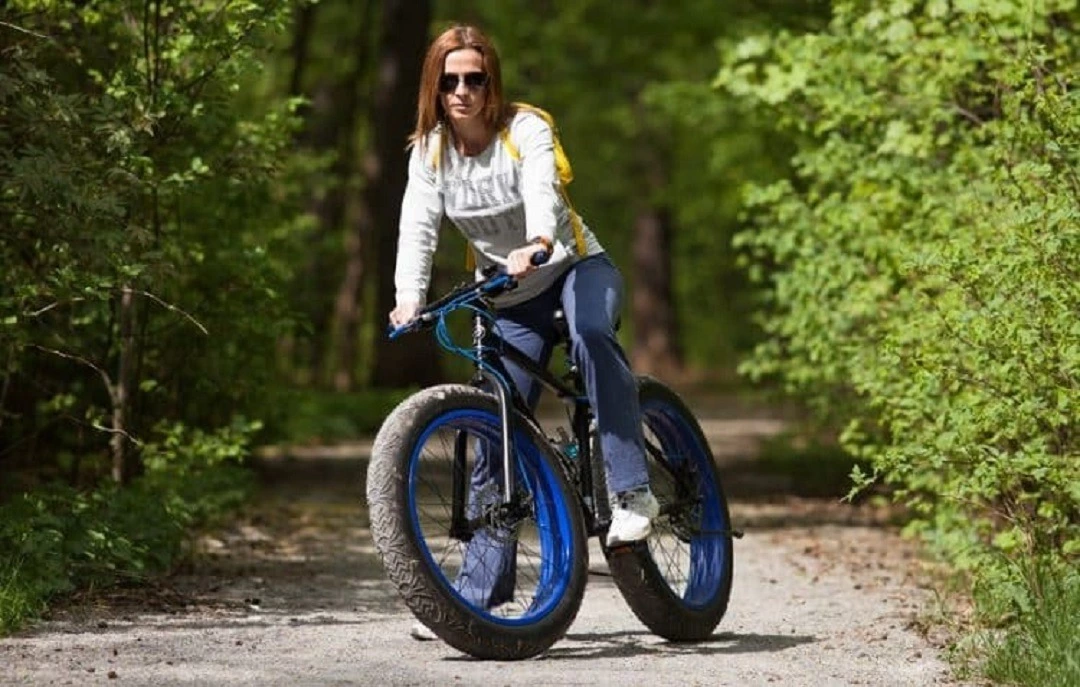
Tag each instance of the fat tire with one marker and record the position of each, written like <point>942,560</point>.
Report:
<point>635,572</point>
<point>423,589</point>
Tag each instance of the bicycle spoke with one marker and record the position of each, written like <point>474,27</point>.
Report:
<point>494,546</point>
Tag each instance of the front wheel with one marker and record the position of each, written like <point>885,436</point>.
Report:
<point>678,581</point>
<point>494,580</point>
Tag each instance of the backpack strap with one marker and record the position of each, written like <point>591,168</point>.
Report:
<point>562,168</point>
<point>436,147</point>
<point>562,162</point>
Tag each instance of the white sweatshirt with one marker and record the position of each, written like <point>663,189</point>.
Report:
<point>497,203</point>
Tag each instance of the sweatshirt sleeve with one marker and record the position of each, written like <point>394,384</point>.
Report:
<point>539,181</point>
<point>418,230</point>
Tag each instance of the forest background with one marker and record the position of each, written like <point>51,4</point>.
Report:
<point>870,207</point>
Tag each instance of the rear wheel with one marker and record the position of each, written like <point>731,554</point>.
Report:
<point>509,585</point>
<point>678,581</point>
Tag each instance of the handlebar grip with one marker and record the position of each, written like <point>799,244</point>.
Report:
<point>424,319</point>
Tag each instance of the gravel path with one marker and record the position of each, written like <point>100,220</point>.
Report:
<point>293,594</point>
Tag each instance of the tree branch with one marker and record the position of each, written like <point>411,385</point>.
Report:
<point>170,306</point>
<point>79,359</point>
<point>49,307</point>
<point>26,31</point>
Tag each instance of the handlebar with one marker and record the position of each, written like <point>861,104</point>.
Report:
<point>495,283</point>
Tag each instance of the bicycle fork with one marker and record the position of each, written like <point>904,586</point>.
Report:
<point>461,527</point>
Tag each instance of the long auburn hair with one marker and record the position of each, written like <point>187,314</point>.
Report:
<point>429,108</point>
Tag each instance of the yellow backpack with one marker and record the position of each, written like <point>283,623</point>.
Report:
<point>562,168</point>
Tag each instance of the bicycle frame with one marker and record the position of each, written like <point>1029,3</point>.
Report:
<point>569,393</point>
<point>487,353</point>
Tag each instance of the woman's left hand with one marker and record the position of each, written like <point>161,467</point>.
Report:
<point>519,262</point>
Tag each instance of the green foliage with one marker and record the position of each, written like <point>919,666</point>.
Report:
<point>922,265</point>
<point>316,416</point>
<point>58,539</point>
<point>149,210</point>
<point>129,165</point>
<point>1043,648</point>
<point>16,601</point>
<point>813,467</point>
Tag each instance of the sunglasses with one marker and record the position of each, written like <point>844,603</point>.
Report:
<point>448,83</point>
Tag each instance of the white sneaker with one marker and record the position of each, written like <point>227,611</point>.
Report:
<point>422,633</point>
<point>631,516</point>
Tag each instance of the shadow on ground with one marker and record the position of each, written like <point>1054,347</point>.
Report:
<point>591,646</point>
<point>636,643</point>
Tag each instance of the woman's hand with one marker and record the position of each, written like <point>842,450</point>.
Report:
<point>519,262</point>
<point>404,313</point>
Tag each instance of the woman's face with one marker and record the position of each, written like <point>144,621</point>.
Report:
<point>463,85</point>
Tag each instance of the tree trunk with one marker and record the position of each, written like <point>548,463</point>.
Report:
<point>411,359</point>
<point>332,282</point>
<point>302,25</point>
<point>122,467</point>
<point>325,124</point>
<point>656,348</point>
<point>347,303</point>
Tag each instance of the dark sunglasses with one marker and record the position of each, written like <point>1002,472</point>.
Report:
<point>448,83</point>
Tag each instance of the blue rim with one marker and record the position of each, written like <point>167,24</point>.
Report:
<point>708,551</point>
<point>553,521</point>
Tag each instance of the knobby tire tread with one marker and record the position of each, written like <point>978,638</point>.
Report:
<point>640,581</point>
<point>420,587</point>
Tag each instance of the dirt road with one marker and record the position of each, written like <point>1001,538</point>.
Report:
<point>293,595</point>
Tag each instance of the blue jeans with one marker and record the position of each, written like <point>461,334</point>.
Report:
<point>590,294</point>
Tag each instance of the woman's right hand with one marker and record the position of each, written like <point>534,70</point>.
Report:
<point>404,313</point>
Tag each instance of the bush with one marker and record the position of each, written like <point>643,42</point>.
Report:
<point>58,539</point>
<point>924,266</point>
<point>1043,647</point>
<point>149,224</point>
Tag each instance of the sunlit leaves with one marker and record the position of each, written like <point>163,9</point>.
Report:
<point>927,283</point>
<point>127,162</point>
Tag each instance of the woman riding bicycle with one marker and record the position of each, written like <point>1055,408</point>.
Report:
<point>507,202</point>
